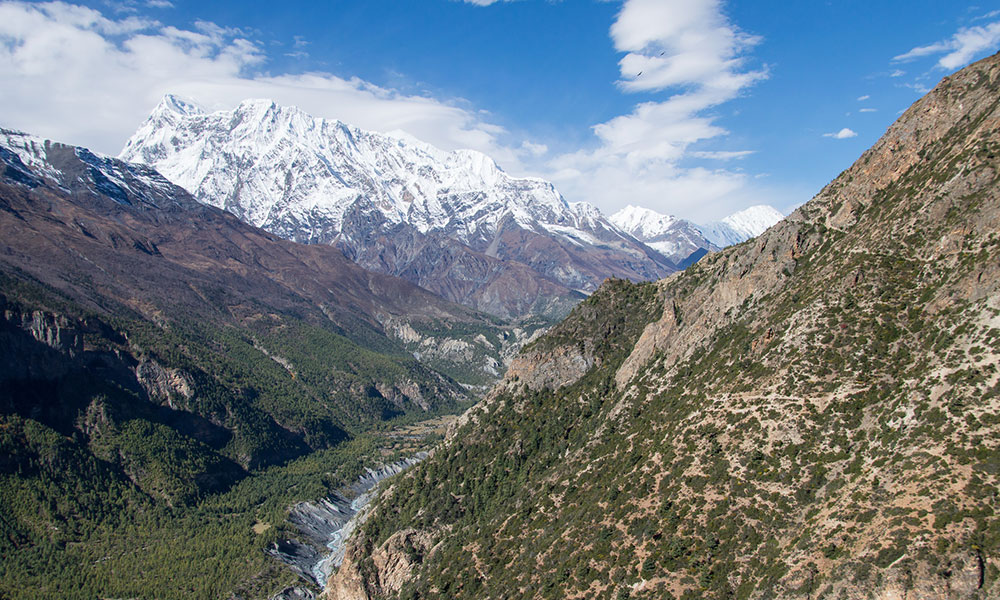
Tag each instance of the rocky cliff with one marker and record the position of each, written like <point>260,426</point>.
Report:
<point>813,413</point>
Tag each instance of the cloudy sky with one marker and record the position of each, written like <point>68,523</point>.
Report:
<point>695,108</point>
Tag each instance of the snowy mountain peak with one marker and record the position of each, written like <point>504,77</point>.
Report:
<point>677,238</point>
<point>301,169</point>
<point>643,222</point>
<point>754,220</point>
<point>743,225</point>
<point>177,105</point>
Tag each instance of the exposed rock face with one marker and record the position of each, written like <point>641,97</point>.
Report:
<point>548,369</point>
<point>374,573</point>
<point>812,414</point>
<point>452,222</point>
<point>162,385</point>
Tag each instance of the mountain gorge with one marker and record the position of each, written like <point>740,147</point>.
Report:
<point>812,414</point>
<point>451,222</point>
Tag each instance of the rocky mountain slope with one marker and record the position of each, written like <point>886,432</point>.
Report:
<point>157,352</point>
<point>813,414</point>
<point>684,242</point>
<point>451,222</point>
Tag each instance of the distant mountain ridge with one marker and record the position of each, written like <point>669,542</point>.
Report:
<point>679,239</point>
<point>741,226</point>
<point>452,222</point>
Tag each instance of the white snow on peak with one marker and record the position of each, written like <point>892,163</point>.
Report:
<point>31,150</point>
<point>676,238</point>
<point>743,225</point>
<point>642,222</point>
<point>754,220</point>
<point>282,169</point>
<point>176,104</point>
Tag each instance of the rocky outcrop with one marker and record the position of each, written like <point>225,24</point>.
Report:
<point>163,385</point>
<point>551,369</point>
<point>369,573</point>
<point>743,275</point>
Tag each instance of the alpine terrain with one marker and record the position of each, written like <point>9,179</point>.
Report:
<point>451,222</point>
<point>812,414</point>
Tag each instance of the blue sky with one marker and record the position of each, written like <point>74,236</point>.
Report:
<point>691,107</point>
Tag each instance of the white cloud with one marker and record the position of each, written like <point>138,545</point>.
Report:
<point>71,74</point>
<point>965,45</point>
<point>687,48</point>
<point>534,149</point>
<point>897,73</point>
<point>160,4</point>
<point>863,98</point>
<point>679,43</point>
<point>868,110</point>
<point>843,134</point>
<point>723,154</point>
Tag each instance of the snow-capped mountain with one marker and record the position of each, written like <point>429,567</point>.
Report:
<point>679,239</point>
<point>453,222</point>
<point>741,226</point>
<point>28,159</point>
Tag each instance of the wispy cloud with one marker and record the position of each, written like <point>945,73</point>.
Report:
<point>961,48</point>
<point>723,154</point>
<point>689,50</point>
<point>534,149</point>
<point>51,52</point>
<point>863,98</point>
<point>843,134</point>
<point>868,110</point>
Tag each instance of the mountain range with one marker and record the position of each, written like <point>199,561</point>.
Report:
<point>451,222</point>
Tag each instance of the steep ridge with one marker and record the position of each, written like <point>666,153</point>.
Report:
<point>452,222</point>
<point>814,413</point>
<point>160,356</point>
